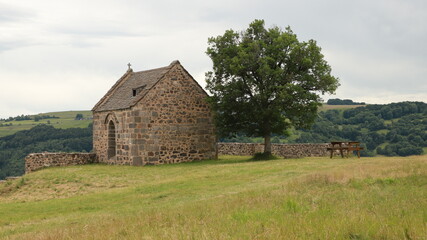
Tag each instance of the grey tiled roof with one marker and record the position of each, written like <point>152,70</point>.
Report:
<point>120,96</point>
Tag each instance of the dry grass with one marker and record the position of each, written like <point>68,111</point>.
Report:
<point>397,167</point>
<point>311,198</point>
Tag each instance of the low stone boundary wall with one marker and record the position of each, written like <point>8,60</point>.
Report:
<point>36,161</point>
<point>282,150</point>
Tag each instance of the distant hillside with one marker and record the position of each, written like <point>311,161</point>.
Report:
<point>40,138</point>
<point>390,129</point>
<point>62,120</point>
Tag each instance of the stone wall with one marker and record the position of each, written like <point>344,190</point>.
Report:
<point>36,161</point>
<point>282,150</point>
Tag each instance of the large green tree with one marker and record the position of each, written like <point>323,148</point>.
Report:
<point>265,80</point>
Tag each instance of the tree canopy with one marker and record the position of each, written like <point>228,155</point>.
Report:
<point>337,101</point>
<point>265,81</point>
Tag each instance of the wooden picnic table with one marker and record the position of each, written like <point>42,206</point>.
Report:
<point>345,146</point>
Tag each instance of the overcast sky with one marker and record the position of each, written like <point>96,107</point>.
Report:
<point>65,55</point>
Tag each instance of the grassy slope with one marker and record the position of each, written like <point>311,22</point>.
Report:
<point>65,120</point>
<point>310,198</point>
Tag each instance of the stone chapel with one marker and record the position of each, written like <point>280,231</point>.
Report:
<point>153,117</point>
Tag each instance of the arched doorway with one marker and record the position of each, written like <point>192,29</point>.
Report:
<point>111,152</point>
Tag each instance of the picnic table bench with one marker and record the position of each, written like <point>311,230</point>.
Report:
<point>345,147</point>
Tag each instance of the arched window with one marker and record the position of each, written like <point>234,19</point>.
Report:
<point>111,140</point>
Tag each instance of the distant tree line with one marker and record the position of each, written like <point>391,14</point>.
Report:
<point>22,117</point>
<point>40,117</point>
<point>41,138</point>
<point>397,129</point>
<point>17,118</point>
<point>338,101</point>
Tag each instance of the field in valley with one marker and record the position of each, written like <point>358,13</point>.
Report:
<point>326,107</point>
<point>65,120</point>
<point>229,198</point>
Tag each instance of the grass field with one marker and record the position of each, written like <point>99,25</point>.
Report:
<point>230,198</point>
<point>65,120</point>
<point>326,107</point>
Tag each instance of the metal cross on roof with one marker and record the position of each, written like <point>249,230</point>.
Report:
<point>129,66</point>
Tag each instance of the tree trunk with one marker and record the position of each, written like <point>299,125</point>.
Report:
<point>267,144</point>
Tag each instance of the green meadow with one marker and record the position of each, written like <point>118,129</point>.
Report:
<point>65,120</point>
<point>230,198</point>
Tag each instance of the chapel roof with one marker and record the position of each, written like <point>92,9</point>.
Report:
<point>123,95</point>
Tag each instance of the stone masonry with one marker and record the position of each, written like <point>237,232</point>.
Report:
<point>36,161</point>
<point>154,117</point>
<point>282,150</point>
